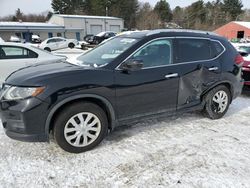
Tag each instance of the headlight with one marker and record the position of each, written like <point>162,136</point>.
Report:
<point>17,93</point>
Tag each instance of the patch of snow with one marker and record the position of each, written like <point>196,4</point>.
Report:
<point>179,151</point>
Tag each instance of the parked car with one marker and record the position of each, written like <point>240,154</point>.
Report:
<point>88,38</point>
<point>57,43</point>
<point>245,53</point>
<point>16,39</point>
<point>97,39</point>
<point>14,56</point>
<point>128,78</point>
<point>36,39</point>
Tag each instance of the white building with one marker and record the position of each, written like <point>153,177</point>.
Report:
<point>25,30</point>
<point>69,26</point>
<point>77,26</point>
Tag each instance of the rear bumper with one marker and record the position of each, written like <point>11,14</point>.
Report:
<point>238,89</point>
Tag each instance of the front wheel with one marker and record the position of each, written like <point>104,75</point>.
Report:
<point>217,102</point>
<point>47,49</point>
<point>80,127</point>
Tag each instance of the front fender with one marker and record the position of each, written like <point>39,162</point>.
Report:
<point>81,96</point>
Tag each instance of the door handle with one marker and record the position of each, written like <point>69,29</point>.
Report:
<point>174,75</point>
<point>213,68</point>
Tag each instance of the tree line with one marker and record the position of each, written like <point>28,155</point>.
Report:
<point>138,15</point>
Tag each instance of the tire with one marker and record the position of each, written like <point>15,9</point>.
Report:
<point>212,109</point>
<point>47,49</point>
<point>71,45</point>
<point>74,137</point>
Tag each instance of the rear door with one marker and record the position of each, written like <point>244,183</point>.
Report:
<point>61,43</point>
<point>152,89</point>
<point>198,67</point>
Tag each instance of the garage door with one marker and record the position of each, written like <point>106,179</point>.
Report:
<point>95,29</point>
<point>115,28</point>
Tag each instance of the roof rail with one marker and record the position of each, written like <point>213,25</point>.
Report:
<point>157,31</point>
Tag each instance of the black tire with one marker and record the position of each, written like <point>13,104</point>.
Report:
<point>47,49</point>
<point>211,109</point>
<point>71,45</point>
<point>69,112</point>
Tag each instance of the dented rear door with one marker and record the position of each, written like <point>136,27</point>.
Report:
<point>197,67</point>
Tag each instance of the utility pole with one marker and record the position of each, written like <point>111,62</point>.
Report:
<point>107,10</point>
<point>107,7</point>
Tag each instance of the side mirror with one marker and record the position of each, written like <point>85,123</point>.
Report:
<point>132,65</point>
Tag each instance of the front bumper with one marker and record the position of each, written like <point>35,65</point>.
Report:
<point>24,120</point>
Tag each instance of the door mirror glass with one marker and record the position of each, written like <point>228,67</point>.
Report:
<point>132,65</point>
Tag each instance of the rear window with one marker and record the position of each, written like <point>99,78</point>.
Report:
<point>189,50</point>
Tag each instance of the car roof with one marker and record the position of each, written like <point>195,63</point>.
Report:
<point>170,32</point>
<point>14,44</point>
<point>55,38</point>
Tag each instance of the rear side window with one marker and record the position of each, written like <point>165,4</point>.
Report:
<point>51,41</point>
<point>189,50</point>
<point>217,48</point>
<point>12,52</point>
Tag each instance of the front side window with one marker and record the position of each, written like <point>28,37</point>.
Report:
<point>156,53</point>
<point>189,50</point>
<point>9,52</point>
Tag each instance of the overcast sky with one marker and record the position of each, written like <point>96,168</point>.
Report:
<point>8,7</point>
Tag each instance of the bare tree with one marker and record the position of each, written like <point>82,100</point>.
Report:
<point>147,18</point>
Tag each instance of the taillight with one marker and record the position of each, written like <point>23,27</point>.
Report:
<point>239,60</point>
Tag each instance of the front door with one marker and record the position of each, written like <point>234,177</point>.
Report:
<point>152,89</point>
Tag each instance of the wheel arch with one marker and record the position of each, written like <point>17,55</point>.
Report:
<point>96,99</point>
<point>225,83</point>
<point>48,49</point>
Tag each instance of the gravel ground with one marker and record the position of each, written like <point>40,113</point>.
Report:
<point>186,151</point>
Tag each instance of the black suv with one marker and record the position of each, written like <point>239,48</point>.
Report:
<point>131,76</point>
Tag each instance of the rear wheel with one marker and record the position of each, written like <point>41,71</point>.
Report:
<point>80,127</point>
<point>71,45</point>
<point>217,102</point>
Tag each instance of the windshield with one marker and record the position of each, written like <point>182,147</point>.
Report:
<point>106,52</point>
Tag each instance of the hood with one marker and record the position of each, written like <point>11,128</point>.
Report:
<point>36,74</point>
